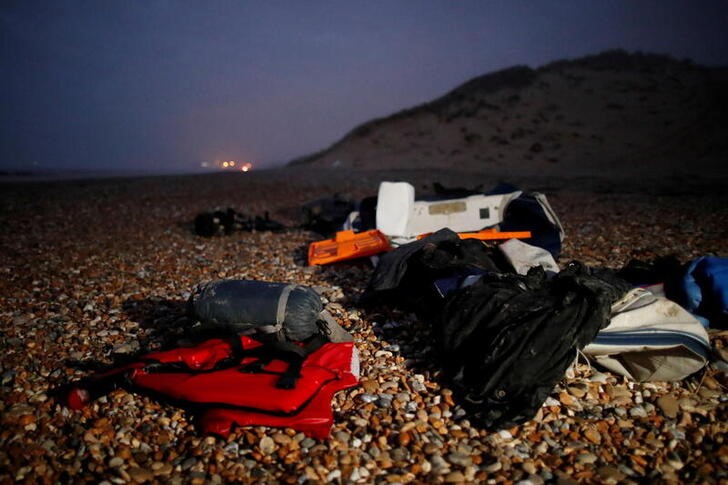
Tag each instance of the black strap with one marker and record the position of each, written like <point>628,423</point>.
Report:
<point>293,372</point>
<point>273,348</point>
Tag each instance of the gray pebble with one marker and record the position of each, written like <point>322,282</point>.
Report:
<point>367,398</point>
<point>232,448</point>
<point>638,412</point>
<point>460,459</point>
<point>8,377</point>
<point>439,465</point>
<point>385,400</point>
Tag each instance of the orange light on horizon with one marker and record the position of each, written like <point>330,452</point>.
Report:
<point>233,164</point>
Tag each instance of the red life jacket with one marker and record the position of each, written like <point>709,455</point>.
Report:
<point>247,384</point>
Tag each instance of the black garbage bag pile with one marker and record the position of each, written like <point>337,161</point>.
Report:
<point>326,215</point>
<point>506,339</point>
<point>405,276</point>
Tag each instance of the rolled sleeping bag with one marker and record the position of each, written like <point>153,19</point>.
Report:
<point>249,306</point>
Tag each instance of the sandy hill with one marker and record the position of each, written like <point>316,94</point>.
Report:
<point>612,114</point>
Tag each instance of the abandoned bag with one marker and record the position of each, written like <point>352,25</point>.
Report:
<point>208,224</point>
<point>507,339</point>
<point>405,276</point>
<point>441,252</point>
<point>650,338</point>
<point>326,215</point>
<point>248,306</point>
<point>241,382</point>
<point>217,223</point>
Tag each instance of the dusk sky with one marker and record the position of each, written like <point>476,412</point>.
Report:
<point>166,85</point>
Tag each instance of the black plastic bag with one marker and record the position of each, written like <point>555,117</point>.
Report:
<point>508,339</point>
<point>327,215</point>
<point>217,223</point>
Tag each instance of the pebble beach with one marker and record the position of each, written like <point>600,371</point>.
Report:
<point>95,271</point>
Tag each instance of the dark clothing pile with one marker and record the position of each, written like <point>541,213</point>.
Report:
<point>506,339</point>
<point>405,275</point>
<point>326,215</point>
<point>219,222</point>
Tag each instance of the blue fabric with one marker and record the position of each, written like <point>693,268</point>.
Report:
<point>445,286</point>
<point>704,289</point>
<point>691,296</point>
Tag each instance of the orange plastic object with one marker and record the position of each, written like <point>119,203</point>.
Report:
<point>348,245</point>
<point>490,235</point>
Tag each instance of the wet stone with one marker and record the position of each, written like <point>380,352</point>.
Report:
<point>620,411</point>
<point>460,459</point>
<point>164,470</point>
<point>529,467</point>
<point>232,448</point>
<point>367,398</point>
<point>126,348</point>
<point>439,465</point>
<point>668,405</point>
<point>307,443</point>
<point>342,436</point>
<point>577,390</point>
<point>385,400</point>
<point>140,475</point>
<point>7,377</point>
<point>370,386</point>
<point>586,458</point>
<point>638,412</point>
<point>454,477</point>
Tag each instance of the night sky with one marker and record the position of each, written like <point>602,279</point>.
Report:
<point>166,85</point>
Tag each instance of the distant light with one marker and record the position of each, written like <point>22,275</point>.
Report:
<point>225,164</point>
<point>246,167</point>
<point>231,163</point>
